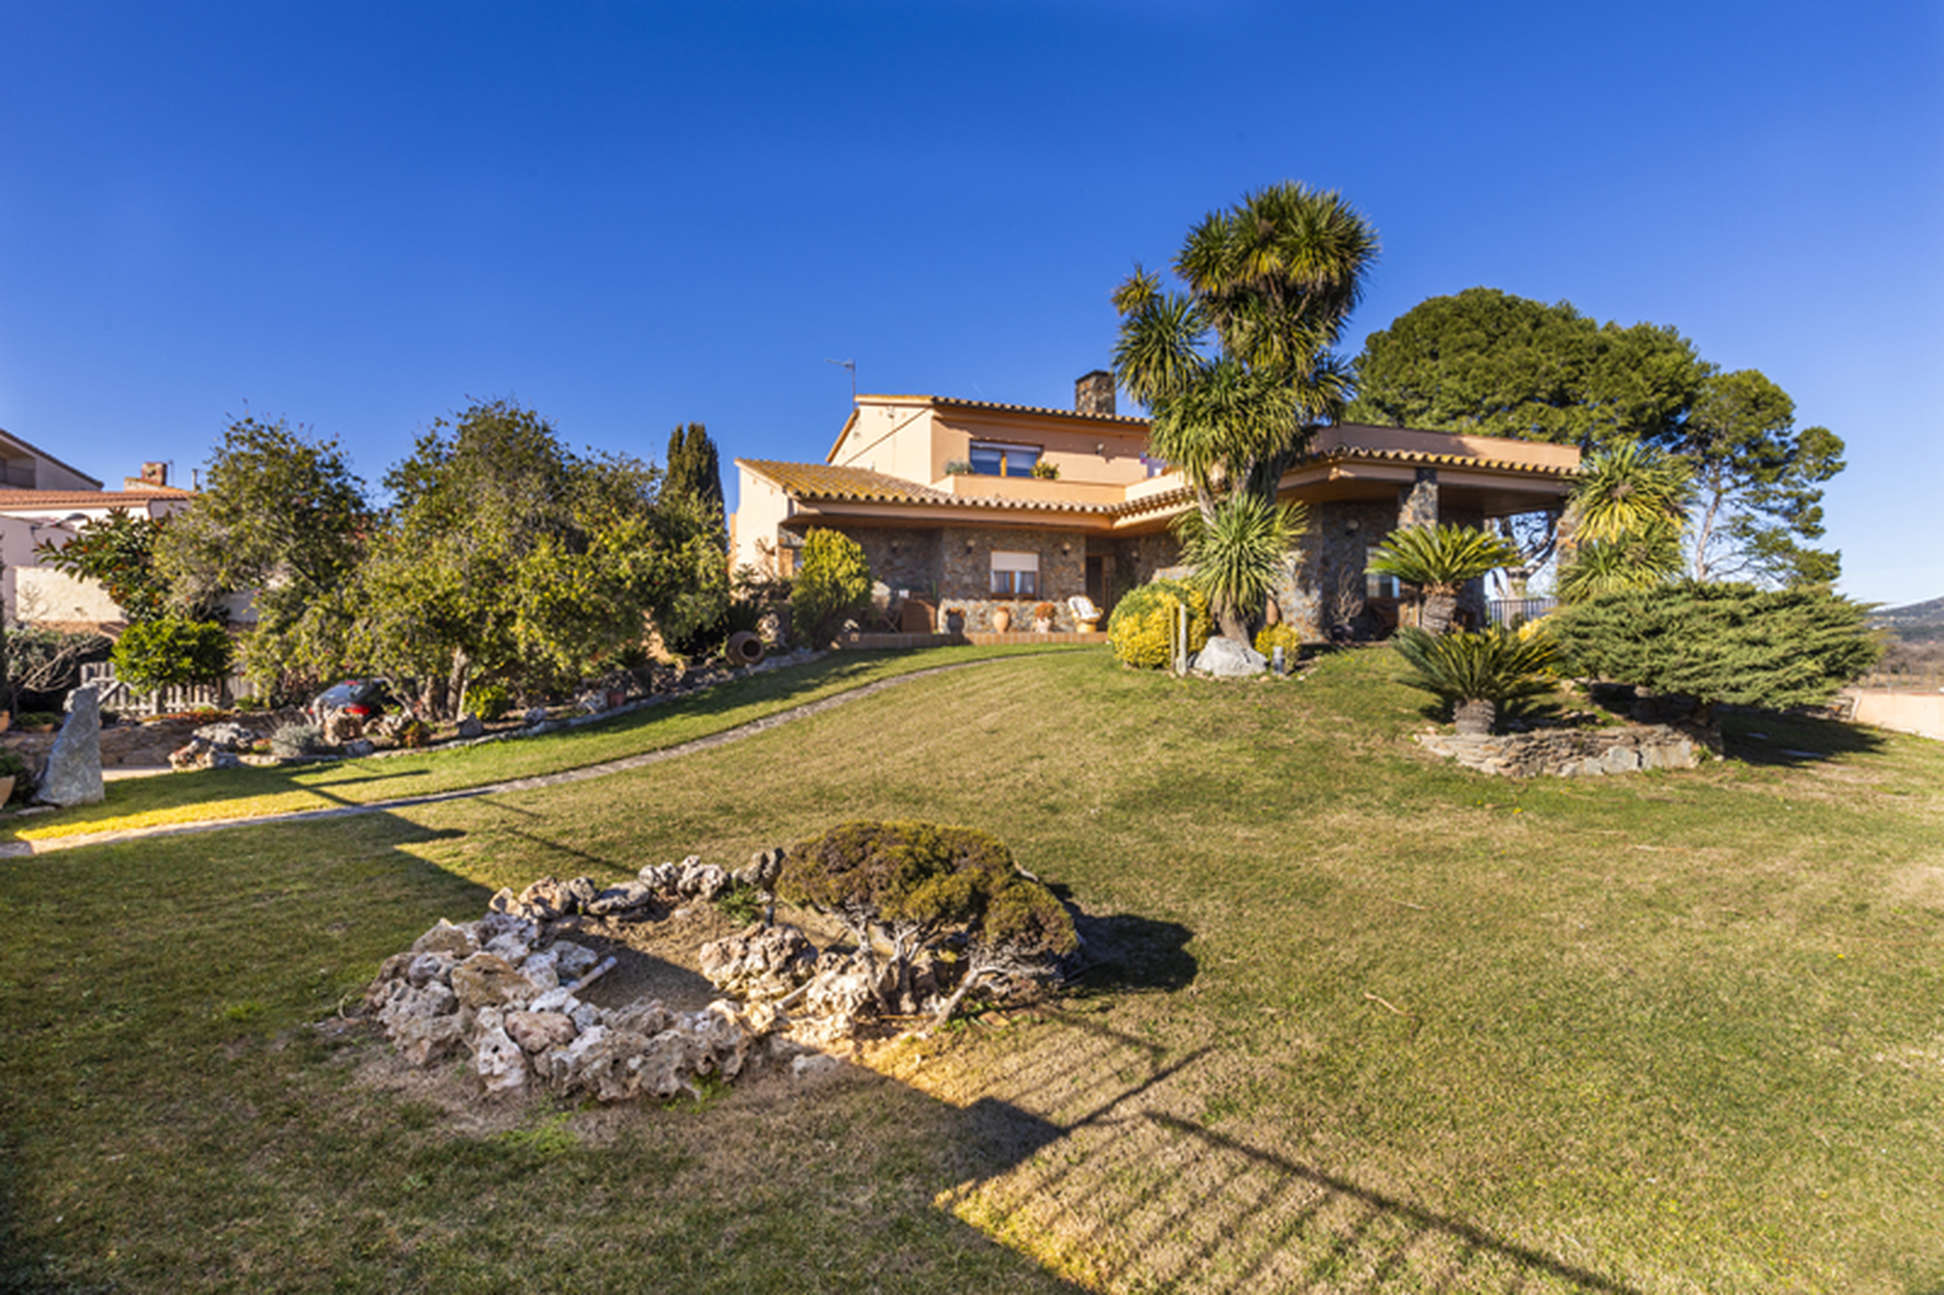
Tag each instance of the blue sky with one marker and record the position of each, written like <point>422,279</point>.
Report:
<point>626,216</point>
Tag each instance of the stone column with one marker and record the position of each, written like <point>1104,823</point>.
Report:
<point>1417,503</point>
<point>73,772</point>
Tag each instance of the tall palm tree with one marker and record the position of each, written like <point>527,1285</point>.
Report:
<point>1235,556</point>
<point>1237,368</point>
<point>1628,490</point>
<point>1439,560</point>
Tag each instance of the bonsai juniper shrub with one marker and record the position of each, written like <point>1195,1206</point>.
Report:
<point>922,888</point>
<point>1477,672</point>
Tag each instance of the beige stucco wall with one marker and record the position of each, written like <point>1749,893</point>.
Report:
<point>760,509</point>
<point>44,594</point>
<point>1907,712</point>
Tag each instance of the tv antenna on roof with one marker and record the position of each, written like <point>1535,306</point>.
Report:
<point>852,366</point>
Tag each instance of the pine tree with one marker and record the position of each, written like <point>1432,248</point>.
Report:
<point>694,469</point>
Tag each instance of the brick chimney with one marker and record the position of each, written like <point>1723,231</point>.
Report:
<point>1094,393</point>
<point>155,474</point>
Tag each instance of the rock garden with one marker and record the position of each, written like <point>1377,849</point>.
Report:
<point>576,989</point>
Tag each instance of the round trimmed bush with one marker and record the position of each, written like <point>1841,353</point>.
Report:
<point>1143,619</point>
<point>1282,635</point>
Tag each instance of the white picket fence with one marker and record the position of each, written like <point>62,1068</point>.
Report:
<point>116,695</point>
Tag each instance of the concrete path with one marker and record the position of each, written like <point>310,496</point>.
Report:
<point>23,849</point>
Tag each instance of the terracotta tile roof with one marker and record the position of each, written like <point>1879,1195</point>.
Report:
<point>860,485</point>
<point>11,499</point>
<point>1035,409</point>
<point>1338,453</point>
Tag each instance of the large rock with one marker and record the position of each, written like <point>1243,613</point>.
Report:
<point>500,1063</point>
<point>426,1039</point>
<point>227,735</point>
<point>539,1031</point>
<point>73,772</point>
<point>1226,658</point>
<point>470,727</point>
<point>488,980</point>
<point>760,962</point>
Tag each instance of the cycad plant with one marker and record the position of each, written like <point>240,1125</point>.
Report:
<point>1235,554</point>
<point>1478,671</point>
<point>1439,560</point>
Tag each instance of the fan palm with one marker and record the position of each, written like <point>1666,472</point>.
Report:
<point>1439,560</point>
<point>1235,556</point>
<point>1637,560</point>
<point>1477,672</point>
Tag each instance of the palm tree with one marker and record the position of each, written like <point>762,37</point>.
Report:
<point>1628,491</point>
<point>1439,560</point>
<point>1235,556</point>
<point>1640,560</point>
<point>1270,283</point>
<point>1477,672</point>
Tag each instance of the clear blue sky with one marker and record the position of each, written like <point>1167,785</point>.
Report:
<point>628,216</point>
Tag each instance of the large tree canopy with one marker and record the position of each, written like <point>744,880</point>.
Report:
<point>1758,479</point>
<point>1490,363</point>
<point>507,557</point>
<point>1237,368</point>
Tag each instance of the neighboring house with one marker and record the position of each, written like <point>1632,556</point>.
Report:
<point>941,494</point>
<point>43,500</point>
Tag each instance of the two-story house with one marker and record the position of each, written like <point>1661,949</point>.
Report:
<point>972,505</point>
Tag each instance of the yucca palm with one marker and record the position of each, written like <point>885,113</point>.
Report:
<point>1626,491</point>
<point>1640,560</point>
<point>1478,671</point>
<point>1439,560</point>
<point>1270,283</point>
<point>1235,556</point>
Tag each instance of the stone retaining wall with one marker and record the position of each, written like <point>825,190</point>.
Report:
<point>1575,753</point>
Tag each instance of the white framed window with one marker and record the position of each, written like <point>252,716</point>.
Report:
<point>1014,575</point>
<point>997,459</point>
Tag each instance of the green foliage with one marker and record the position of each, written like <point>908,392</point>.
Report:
<point>40,718</point>
<point>1440,558</point>
<point>742,904</point>
<point>1237,550</point>
<point>507,556</point>
<point>172,651</point>
<point>1280,635</point>
<point>295,738</point>
<point>1642,560</point>
<point>694,470</point>
<point>280,516</point>
<point>1630,489</point>
<point>13,765</point>
<point>1729,643</point>
<point>118,552</point>
<point>1488,362</point>
<point>1494,664</point>
<point>1143,620</point>
<point>489,701</point>
<point>1046,470</point>
<point>1759,482</point>
<point>833,582</point>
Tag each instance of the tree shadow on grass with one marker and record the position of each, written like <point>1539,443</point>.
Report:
<point>1762,737</point>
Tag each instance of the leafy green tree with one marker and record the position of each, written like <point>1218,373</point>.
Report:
<point>1439,560</point>
<point>1759,483</point>
<point>282,517</point>
<point>118,552</point>
<point>1624,521</point>
<point>1721,643</point>
<point>44,663</point>
<point>833,583</point>
<point>507,558</point>
<point>694,469</point>
<point>1478,672</point>
<point>1237,368</point>
<point>171,651</point>
<point>1493,364</point>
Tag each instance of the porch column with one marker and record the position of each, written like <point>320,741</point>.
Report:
<point>1417,503</point>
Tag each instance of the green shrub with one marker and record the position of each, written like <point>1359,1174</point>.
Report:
<point>489,701</point>
<point>15,767</point>
<point>38,718</point>
<point>1144,619</point>
<point>1282,635</point>
<point>296,738</point>
<point>833,582</point>
<point>172,651</point>
<point>1479,671</point>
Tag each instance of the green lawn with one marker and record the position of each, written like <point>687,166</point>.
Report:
<point>252,792</point>
<point>1366,1022</point>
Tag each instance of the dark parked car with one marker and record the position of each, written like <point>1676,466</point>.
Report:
<point>362,697</point>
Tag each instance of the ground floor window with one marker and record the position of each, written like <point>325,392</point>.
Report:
<point>1376,586</point>
<point>1014,575</point>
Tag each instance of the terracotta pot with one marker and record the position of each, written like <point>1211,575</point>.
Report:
<point>1001,621</point>
<point>1042,627</point>
<point>6,789</point>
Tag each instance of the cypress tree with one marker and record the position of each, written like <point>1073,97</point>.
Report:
<point>694,469</point>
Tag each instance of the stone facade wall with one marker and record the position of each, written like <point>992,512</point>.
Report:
<point>1322,583</point>
<point>900,558</point>
<point>966,580</point>
<point>1139,558</point>
<point>1417,504</point>
<point>1575,753</point>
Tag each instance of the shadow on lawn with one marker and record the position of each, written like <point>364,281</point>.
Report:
<point>1770,738</point>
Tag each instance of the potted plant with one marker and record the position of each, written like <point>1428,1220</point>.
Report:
<point>1001,619</point>
<point>955,620</point>
<point>14,773</point>
<point>1043,617</point>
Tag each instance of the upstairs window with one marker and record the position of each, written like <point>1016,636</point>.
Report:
<point>1015,575</point>
<point>995,459</point>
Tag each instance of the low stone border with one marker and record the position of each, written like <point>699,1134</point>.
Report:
<point>1575,752</point>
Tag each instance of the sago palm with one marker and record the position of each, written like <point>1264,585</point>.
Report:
<point>1478,671</point>
<point>1235,555</point>
<point>1439,560</point>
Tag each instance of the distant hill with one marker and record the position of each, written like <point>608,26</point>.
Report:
<point>1916,623</point>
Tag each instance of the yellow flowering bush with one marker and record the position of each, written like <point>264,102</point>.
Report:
<point>1283,635</point>
<point>1139,628</point>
